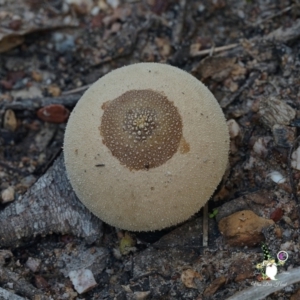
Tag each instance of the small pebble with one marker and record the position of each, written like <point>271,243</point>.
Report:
<point>33,264</point>
<point>10,285</point>
<point>28,181</point>
<point>284,136</point>
<point>8,195</point>
<point>63,42</point>
<point>287,233</point>
<point>53,113</point>
<point>288,221</point>
<point>83,280</point>
<point>67,20</point>
<point>25,183</point>
<point>141,295</point>
<point>234,128</point>
<point>260,146</point>
<point>188,276</point>
<point>10,120</point>
<point>277,214</point>
<point>65,8</point>
<point>21,84</point>
<point>241,14</point>
<point>54,90</point>
<point>113,3</point>
<point>295,162</point>
<point>95,11</point>
<point>201,8</point>
<point>103,5</point>
<point>277,177</point>
<point>285,246</point>
<point>36,76</point>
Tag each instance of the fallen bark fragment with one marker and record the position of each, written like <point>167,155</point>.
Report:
<point>49,206</point>
<point>285,35</point>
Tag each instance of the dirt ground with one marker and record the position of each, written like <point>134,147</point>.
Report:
<point>246,53</point>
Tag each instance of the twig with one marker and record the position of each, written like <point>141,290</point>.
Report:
<point>205,226</point>
<point>32,104</point>
<point>274,15</point>
<point>260,291</point>
<point>77,90</point>
<point>281,35</point>
<point>214,50</point>
<point>285,35</point>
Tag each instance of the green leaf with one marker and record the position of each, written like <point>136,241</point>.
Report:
<point>214,213</point>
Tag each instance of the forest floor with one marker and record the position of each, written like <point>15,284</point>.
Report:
<point>246,53</point>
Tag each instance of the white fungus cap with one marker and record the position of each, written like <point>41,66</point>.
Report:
<point>146,146</point>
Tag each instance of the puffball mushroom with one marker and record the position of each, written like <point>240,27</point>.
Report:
<point>146,146</point>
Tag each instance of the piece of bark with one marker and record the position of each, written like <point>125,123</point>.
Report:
<point>273,110</point>
<point>49,206</point>
<point>287,34</point>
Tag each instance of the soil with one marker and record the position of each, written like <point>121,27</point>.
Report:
<point>246,53</point>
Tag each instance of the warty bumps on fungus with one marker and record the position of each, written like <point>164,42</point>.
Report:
<point>146,146</point>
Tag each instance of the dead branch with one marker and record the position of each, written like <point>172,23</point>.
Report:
<point>76,90</point>
<point>285,35</point>
<point>49,206</point>
<point>283,11</point>
<point>280,35</point>
<point>261,291</point>
<point>215,50</point>
<point>36,103</point>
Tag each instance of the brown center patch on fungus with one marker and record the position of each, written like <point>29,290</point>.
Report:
<point>141,128</point>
